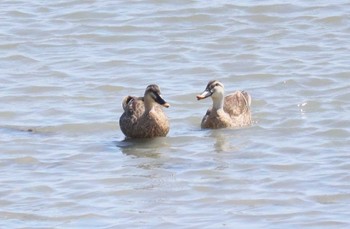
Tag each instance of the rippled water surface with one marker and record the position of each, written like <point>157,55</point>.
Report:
<point>66,65</point>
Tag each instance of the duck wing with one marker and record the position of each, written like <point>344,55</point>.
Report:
<point>133,106</point>
<point>237,103</point>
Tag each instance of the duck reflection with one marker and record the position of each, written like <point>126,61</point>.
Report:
<point>150,148</point>
<point>222,141</point>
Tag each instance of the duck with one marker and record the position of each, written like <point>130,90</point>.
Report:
<point>232,111</point>
<point>143,117</point>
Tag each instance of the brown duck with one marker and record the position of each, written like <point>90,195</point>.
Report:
<point>230,111</point>
<point>143,117</point>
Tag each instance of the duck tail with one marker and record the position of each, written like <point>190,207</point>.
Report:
<point>126,101</point>
<point>247,98</point>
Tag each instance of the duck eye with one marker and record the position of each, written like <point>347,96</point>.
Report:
<point>154,95</point>
<point>217,84</point>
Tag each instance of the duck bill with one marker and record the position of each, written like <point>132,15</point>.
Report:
<point>205,94</point>
<point>161,101</point>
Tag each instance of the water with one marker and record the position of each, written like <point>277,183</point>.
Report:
<point>66,65</point>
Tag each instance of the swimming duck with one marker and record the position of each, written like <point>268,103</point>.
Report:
<point>143,117</point>
<point>230,111</point>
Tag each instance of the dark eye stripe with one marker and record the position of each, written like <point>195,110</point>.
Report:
<point>155,94</point>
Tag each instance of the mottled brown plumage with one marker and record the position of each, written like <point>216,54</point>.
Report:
<point>230,111</point>
<point>143,117</point>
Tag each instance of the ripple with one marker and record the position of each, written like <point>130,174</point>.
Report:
<point>20,58</point>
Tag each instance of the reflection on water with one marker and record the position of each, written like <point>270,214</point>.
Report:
<point>224,140</point>
<point>143,147</point>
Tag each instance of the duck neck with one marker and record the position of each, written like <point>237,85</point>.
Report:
<point>218,102</point>
<point>148,105</point>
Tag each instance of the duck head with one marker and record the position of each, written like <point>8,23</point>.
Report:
<point>153,95</point>
<point>215,89</point>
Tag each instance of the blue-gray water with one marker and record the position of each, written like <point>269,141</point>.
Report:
<point>66,65</point>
